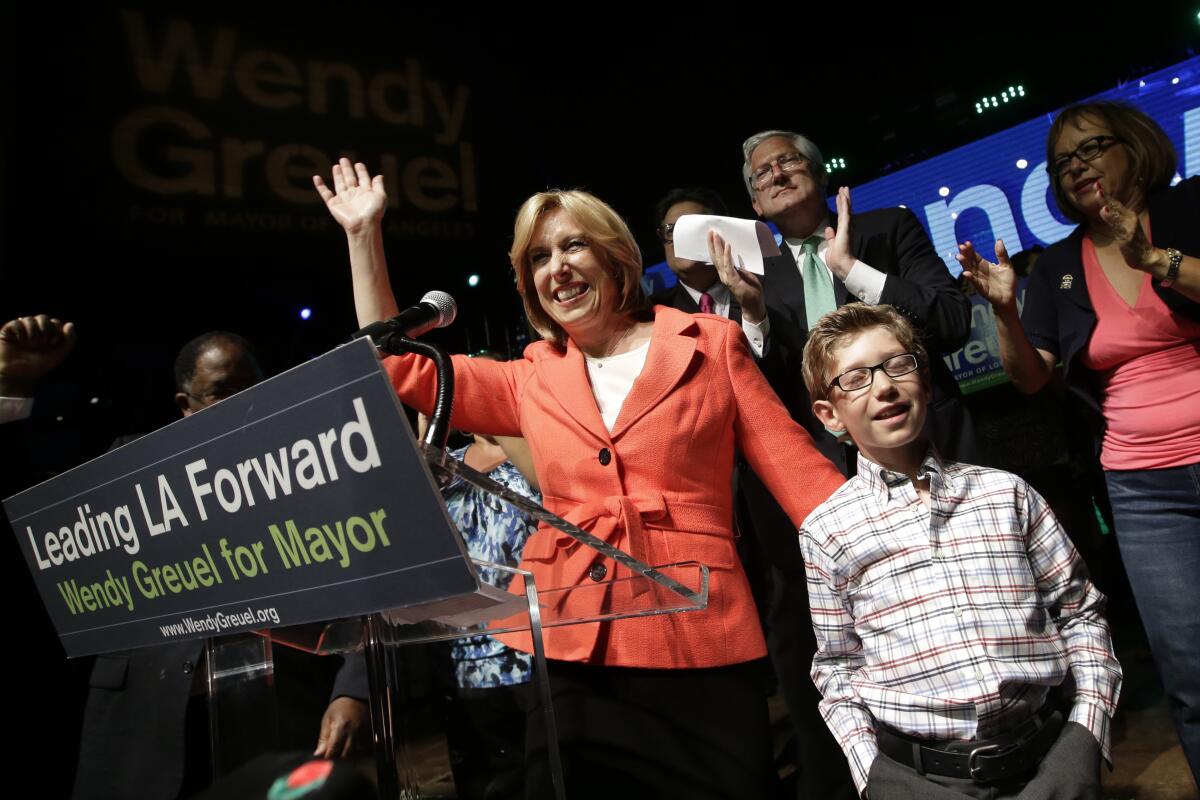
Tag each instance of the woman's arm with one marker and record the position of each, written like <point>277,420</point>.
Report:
<point>1030,368</point>
<point>1127,231</point>
<point>517,450</point>
<point>486,397</point>
<point>780,452</point>
<point>357,202</point>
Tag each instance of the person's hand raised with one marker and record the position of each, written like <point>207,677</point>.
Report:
<point>997,282</point>
<point>357,200</point>
<point>29,348</point>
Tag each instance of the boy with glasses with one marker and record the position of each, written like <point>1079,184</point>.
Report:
<point>949,606</point>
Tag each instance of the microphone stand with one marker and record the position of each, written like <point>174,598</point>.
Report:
<point>382,661</point>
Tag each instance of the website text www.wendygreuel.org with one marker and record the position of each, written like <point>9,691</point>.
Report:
<point>221,621</point>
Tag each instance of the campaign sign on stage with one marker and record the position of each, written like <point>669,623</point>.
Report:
<point>301,499</point>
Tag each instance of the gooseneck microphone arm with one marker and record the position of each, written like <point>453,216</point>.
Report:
<point>443,404</point>
<point>397,336</point>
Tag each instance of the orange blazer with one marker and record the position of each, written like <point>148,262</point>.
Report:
<point>657,486</point>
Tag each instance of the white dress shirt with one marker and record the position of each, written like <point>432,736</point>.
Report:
<point>756,333</point>
<point>863,281</point>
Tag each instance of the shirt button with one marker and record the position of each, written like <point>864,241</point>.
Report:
<point>605,456</point>
<point>979,675</point>
<point>958,612</point>
<point>598,571</point>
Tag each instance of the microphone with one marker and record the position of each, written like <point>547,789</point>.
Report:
<point>436,310</point>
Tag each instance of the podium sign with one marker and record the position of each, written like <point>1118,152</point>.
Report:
<point>301,499</point>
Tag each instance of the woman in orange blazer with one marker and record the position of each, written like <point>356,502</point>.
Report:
<point>642,457</point>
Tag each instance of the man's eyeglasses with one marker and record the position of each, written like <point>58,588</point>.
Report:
<point>787,163</point>
<point>861,377</point>
<point>1087,151</point>
<point>666,232</point>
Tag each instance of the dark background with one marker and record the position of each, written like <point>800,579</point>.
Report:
<point>618,103</point>
<point>625,111</point>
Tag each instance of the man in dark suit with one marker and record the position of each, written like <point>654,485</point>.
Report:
<point>145,729</point>
<point>881,256</point>
<point>700,287</point>
<point>877,257</point>
<point>767,544</point>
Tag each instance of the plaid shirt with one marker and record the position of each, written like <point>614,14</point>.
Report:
<point>950,621</point>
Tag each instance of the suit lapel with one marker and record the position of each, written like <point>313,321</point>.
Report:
<point>1074,284</point>
<point>683,301</point>
<point>565,376</point>
<point>784,287</point>
<point>671,350</point>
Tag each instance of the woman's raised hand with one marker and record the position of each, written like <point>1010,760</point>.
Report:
<point>997,282</point>
<point>1126,229</point>
<point>357,201</point>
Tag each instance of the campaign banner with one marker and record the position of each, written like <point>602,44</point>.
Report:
<point>301,499</point>
<point>976,365</point>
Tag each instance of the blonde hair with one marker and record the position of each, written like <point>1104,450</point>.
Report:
<point>835,330</point>
<point>608,236</point>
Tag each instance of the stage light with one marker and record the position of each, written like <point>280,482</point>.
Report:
<point>1174,81</point>
<point>94,400</point>
<point>953,215</point>
<point>993,101</point>
<point>1141,84</point>
<point>306,313</point>
<point>1022,163</point>
<point>903,206</point>
<point>944,191</point>
<point>473,281</point>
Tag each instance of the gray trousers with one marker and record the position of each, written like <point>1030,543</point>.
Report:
<point>1069,771</point>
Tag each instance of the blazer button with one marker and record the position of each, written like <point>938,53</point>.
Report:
<point>605,456</point>
<point>597,572</point>
<point>188,667</point>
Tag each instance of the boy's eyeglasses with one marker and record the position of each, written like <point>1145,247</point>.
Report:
<point>861,377</point>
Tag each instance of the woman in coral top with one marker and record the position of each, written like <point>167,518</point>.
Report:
<point>632,415</point>
<point>1117,303</point>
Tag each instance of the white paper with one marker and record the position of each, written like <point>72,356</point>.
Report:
<point>750,241</point>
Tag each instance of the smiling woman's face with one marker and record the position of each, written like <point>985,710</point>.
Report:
<point>573,284</point>
<point>1111,167</point>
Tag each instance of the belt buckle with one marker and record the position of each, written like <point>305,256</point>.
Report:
<point>974,769</point>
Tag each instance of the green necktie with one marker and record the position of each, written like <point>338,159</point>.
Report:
<point>818,283</point>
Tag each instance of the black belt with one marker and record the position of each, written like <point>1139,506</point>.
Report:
<point>1008,756</point>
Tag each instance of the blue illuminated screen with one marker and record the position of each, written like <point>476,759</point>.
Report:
<point>998,188</point>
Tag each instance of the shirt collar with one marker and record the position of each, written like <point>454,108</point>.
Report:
<point>719,292</point>
<point>797,245</point>
<point>883,481</point>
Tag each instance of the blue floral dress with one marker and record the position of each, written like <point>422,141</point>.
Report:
<point>494,531</point>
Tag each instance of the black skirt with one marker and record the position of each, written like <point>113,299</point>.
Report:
<point>630,733</point>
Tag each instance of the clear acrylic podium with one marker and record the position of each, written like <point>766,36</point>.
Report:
<point>240,670</point>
